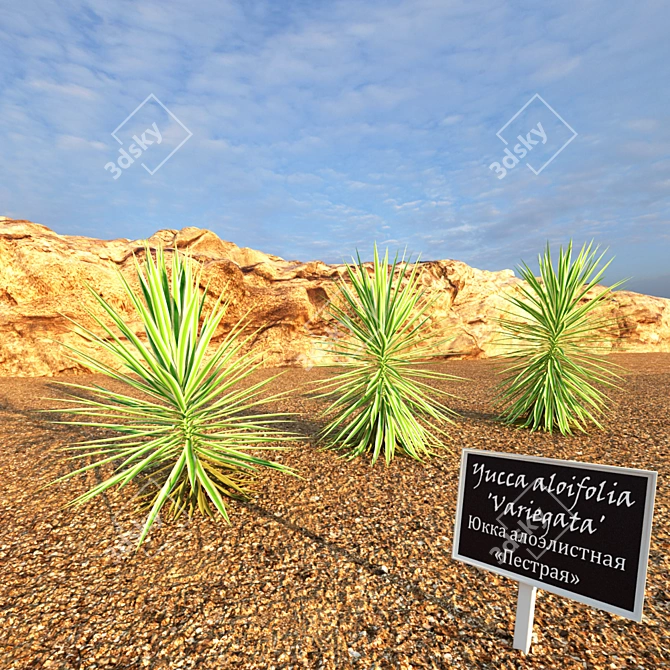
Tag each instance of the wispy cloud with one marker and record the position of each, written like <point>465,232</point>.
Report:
<point>319,127</point>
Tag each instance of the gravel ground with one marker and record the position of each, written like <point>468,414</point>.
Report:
<point>348,567</point>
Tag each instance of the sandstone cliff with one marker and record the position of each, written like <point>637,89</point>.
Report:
<point>42,276</point>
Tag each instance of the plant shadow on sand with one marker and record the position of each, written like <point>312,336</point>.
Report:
<point>348,567</point>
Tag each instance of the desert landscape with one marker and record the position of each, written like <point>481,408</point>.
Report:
<point>42,274</point>
<point>334,335</point>
<point>348,565</point>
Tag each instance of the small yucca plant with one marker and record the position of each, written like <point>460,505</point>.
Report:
<point>193,424</point>
<point>555,340</point>
<point>381,402</point>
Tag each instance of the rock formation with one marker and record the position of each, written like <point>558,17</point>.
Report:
<point>42,278</point>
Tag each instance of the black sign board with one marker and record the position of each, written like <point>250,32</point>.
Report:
<point>579,530</point>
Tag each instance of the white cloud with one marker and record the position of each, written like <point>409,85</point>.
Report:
<point>319,127</point>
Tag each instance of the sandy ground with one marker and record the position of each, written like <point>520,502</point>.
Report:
<point>348,567</point>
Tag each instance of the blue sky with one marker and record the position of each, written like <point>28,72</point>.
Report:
<point>319,127</point>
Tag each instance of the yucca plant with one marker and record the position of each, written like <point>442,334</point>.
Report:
<point>191,423</point>
<point>555,345</point>
<point>381,402</point>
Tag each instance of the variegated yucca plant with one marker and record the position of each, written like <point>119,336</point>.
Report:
<point>557,374</point>
<point>381,402</point>
<point>190,419</point>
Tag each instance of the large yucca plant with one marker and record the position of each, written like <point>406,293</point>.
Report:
<point>381,402</point>
<point>191,423</point>
<point>555,342</point>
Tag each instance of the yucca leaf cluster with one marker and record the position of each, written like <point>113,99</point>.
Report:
<point>381,402</point>
<point>186,420</point>
<point>556,370</point>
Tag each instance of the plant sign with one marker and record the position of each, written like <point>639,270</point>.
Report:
<point>578,530</point>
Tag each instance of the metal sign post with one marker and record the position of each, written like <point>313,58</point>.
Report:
<point>578,530</point>
<point>525,610</point>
